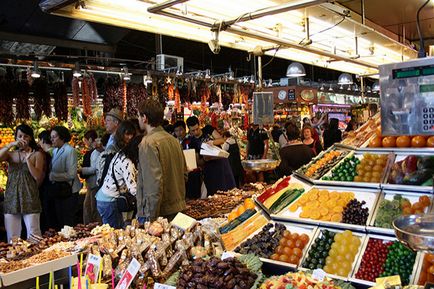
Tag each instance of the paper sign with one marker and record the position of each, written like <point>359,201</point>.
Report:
<point>92,268</point>
<point>190,159</point>
<point>226,255</point>
<point>183,221</point>
<point>129,275</point>
<point>163,286</point>
<point>318,274</point>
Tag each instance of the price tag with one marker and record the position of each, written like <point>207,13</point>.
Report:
<point>318,274</point>
<point>163,286</point>
<point>92,268</point>
<point>129,275</point>
<point>226,255</point>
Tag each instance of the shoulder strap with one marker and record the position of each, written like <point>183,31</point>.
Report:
<point>113,174</point>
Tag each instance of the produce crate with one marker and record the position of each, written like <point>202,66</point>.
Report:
<point>294,180</point>
<point>318,234</point>
<point>358,155</point>
<point>301,171</point>
<point>353,278</point>
<point>399,156</point>
<point>370,196</point>
<point>293,228</point>
<point>389,195</point>
<point>14,277</point>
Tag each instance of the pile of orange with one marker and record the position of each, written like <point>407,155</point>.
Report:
<point>6,136</point>
<point>322,205</point>
<point>328,157</point>
<point>247,204</point>
<point>403,141</point>
<point>417,207</point>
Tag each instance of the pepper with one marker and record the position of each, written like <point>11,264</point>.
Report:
<point>273,190</point>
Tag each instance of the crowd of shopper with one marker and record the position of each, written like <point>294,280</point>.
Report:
<point>138,168</point>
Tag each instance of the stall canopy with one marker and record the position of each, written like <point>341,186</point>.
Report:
<point>316,32</point>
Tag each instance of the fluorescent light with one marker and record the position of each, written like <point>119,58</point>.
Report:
<point>36,73</point>
<point>77,70</point>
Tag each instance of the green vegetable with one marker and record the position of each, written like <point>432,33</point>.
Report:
<point>237,221</point>
<point>285,199</point>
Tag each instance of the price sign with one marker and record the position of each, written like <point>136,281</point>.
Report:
<point>318,274</point>
<point>226,255</point>
<point>163,286</point>
<point>92,267</point>
<point>129,275</point>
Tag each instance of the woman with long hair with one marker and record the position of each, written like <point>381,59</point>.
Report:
<point>25,174</point>
<point>308,139</point>
<point>332,134</point>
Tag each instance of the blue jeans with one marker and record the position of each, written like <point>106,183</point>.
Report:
<point>110,214</point>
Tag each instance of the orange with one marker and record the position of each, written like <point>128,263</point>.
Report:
<point>241,209</point>
<point>293,208</point>
<point>418,141</point>
<point>389,142</point>
<point>232,216</point>
<point>403,141</point>
<point>430,141</point>
<point>425,201</point>
<point>249,203</point>
<point>375,142</point>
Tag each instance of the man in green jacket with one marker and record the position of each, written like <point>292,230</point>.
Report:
<point>162,168</point>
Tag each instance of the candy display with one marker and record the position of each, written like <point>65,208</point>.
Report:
<point>354,213</point>
<point>319,251</point>
<point>372,264</point>
<point>361,136</point>
<point>413,170</point>
<point>298,280</point>
<point>6,136</point>
<point>322,164</point>
<point>427,270</point>
<point>403,141</point>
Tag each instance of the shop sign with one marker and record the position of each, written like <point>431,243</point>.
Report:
<point>291,94</point>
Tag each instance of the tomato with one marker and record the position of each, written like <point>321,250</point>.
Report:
<point>375,142</point>
<point>430,141</point>
<point>403,141</point>
<point>418,141</point>
<point>389,142</point>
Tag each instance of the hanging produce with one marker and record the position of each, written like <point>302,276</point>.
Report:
<point>75,92</point>
<point>6,101</point>
<point>112,95</point>
<point>86,96</point>
<point>170,92</point>
<point>41,98</point>
<point>194,91</point>
<point>93,88</point>
<point>22,100</point>
<point>60,101</point>
<point>136,93</point>
<point>177,101</point>
<point>124,97</point>
<point>184,91</point>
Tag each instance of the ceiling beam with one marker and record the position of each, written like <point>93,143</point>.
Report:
<point>158,7</point>
<point>77,44</point>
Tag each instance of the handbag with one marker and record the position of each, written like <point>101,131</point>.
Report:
<point>59,190</point>
<point>126,202</point>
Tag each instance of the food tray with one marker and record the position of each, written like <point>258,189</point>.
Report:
<point>294,180</point>
<point>260,165</point>
<point>388,195</point>
<point>412,188</point>
<point>362,252</point>
<point>37,270</point>
<point>370,196</point>
<point>317,158</point>
<point>293,228</point>
<point>318,234</point>
<point>358,155</point>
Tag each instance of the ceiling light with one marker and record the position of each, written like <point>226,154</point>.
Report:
<point>295,69</point>
<point>345,78</point>
<point>77,70</point>
<point>349,87</point>
<point>270,83</point>
<point>356,87</point>
<point>341,87</point>
<point>36,73</point>
<point>231,74</point>
<point>147,79</point>
<point>322,87</point>
<point>376,86</point>
<point>252,79</point>
<point>331,87</point>
<point>368,89</point>
<point>207,74</point>
<point>179,71</point>
<point>126,74</point>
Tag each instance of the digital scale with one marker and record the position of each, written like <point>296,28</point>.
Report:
<point>407,97</point>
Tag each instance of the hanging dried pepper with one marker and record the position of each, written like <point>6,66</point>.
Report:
<point>22,100</point>
<point>170,92</point>
<point>112,95</point>
<point>41,98</point>
<point>6,101</point>
<point>75,92</point>
<point>136,93</point>
<point>86,96</point>
<point>60,101</point>
<point>177,101</point>
<point>93,88</point>
<point>124,97</point>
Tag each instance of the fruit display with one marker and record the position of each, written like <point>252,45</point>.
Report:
<point>281,184</point>
<point>300,280</point>
<point>427,270</point>
<point>216,273</point>
<point>264,243</point>
<point>400,261</point>
<point>342,254</point>
<point>404,141</point>
<point>322,164</point>
<point>413,170</point>
<point>6,136</point>
<point>238,211</point>
<point>369,169</point>
<point>290,248</point>
<point>392,207</point>
<point>354,213</point>
<point>372,264</point>
<point>319,251</point>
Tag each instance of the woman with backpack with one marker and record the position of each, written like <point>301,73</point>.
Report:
<point>307,138</point>
<point>121,177</point>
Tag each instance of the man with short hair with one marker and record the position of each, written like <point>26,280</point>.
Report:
<point>162,168</point>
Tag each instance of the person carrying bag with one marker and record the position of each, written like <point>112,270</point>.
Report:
<point>126,201</point>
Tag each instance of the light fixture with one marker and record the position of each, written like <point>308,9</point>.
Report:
<point>126,75</point>
<point>331,87</point>
<point>295,69</point>
<point>231,74</point>
<point>252,79</point>
<point>341,87</point>
<point>77,70</point>
<point>179,71</point>
<point>36,73</point>
<point>349,87</point>
<point>356,87</point>
<point>147,79</point>
<point>322,87</point>
<point>368,89</point>
<point>270,83</point>
<point>345,78</point>
<point>207,74</point>
<point>376,86</point>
